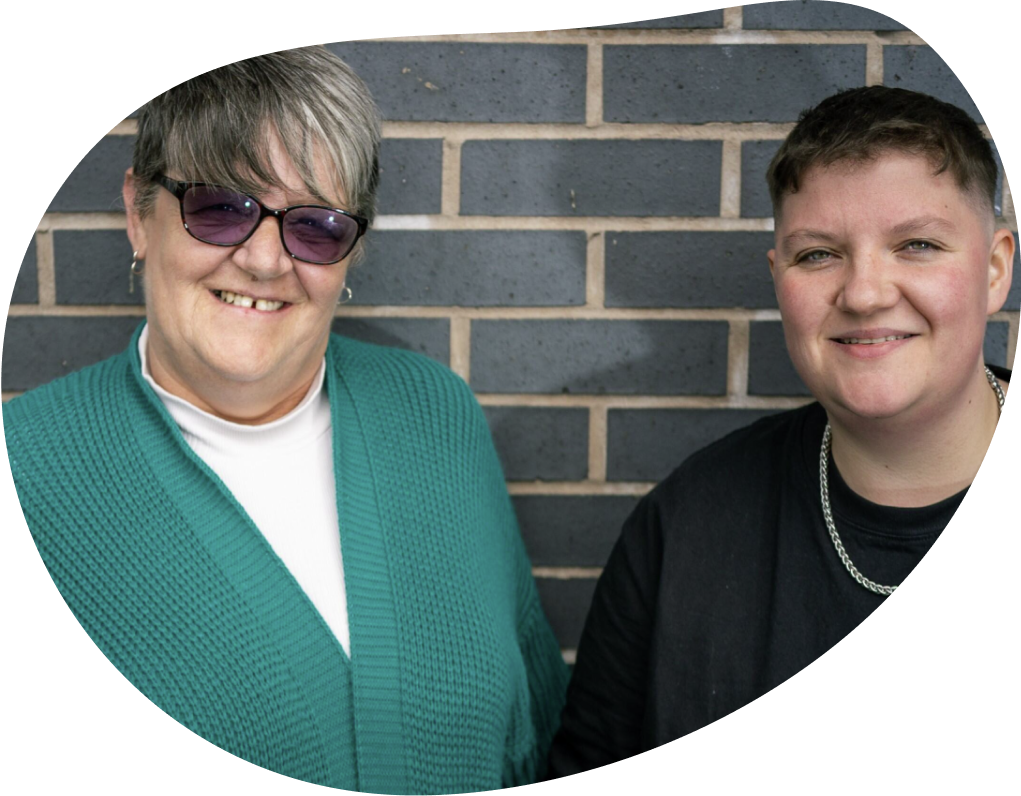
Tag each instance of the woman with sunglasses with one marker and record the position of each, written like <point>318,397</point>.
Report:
<point>299,546</point>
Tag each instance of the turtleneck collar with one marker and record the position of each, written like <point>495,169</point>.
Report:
<point>307,421</point>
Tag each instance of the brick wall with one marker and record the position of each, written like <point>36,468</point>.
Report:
<point>574,221</point>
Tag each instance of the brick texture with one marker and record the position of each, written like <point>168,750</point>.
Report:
<point>26,285</point>
<point>429,336</point>
<point>540,443</point>
<point>95,184</point>
<point>600,357</point>
<point>814,15</point>
<point>710,83</point>
<point>410,174</point>
<point>921,69</point>
<point>472,269</point>
<point>590,178</point>
<point>564,531</point>
<point>463,82</point>
<point>688,269</point>
<point>701,19</point>
<point>93,267</point>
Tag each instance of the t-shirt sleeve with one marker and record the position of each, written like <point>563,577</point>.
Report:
<point>602,720</point>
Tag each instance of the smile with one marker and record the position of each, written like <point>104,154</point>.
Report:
<point>873,341</point>
<point>247,302</point>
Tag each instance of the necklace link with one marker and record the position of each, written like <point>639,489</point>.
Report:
<point>827,511</point>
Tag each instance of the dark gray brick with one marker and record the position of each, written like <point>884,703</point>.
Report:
<point>921,69</point>
<point>461,82</point>
<point>600,357</point>
<point>590,178</point>
<point>770,371</point>
<point>566,603</point>
<point>95,184</point>
<point>472,268</point>
<point>813,15</point>
<point>26,284</point>
<point>755,158</point>
<point>995,348</point>
<point>1013,301</point>
<point>688,269</point>
<point>410,172</point>
<point>38,349</point>
<point>576,531</point>
<point>694,84</point>
<point>93,267</point>
<point>700,19</point>
<point>429,336</point>
<point>540,443</point>
<point>648,444</point>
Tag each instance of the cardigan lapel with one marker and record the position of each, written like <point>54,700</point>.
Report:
<point>372,616</point>
<point>296,629</point>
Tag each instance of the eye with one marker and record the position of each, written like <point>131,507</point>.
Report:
<point>814,257</point>
<point>921,246</point>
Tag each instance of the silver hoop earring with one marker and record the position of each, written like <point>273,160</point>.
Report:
<point>137,267</point>
<point>346,294</point>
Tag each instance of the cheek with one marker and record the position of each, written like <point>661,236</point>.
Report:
<point>803,305</point>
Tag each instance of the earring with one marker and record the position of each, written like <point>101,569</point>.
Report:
<point>346,294</point>
<point>137,267</point>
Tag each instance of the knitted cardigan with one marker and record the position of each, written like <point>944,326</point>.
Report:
<point>455,681</point>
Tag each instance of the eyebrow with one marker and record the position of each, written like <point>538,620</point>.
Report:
<point>911,226</point>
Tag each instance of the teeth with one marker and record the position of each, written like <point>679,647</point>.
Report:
<point>862,341</point>
<point>239,300</point>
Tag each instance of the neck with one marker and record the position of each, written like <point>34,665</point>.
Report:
<point>914,460</point>
<point>247,403</point>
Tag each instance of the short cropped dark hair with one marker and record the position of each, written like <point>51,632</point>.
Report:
<point>861,124</point>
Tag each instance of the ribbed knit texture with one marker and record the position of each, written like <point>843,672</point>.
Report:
<point>455,681</point>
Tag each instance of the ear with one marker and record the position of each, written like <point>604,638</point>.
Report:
<point>1001,268</point>
<point>136,229</point>
<point>771,256</point>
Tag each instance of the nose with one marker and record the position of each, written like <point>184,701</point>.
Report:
<point>263,255</point>
<point>869,285</point>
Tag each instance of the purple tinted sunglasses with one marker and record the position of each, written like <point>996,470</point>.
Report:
<point>225,217</point>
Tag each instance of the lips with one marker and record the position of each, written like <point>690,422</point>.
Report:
<point>871,336</point>
<point>249,302</point>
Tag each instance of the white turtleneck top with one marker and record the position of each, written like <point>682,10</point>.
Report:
<point>282,475</point>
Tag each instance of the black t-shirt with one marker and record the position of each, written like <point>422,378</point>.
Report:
<point>723,584</point>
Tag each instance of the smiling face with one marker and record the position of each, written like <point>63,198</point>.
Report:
<point>885,274</point>
<point>240,359</point>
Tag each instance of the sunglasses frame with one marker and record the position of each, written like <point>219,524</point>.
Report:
<point>180,187</point>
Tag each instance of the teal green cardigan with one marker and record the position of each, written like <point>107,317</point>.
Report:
<point>455,681</point>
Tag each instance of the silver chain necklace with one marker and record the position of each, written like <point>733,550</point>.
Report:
<point>827,512</point>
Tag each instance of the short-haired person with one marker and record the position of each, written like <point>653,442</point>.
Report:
<point>299,546</point>
<point>764,549</point>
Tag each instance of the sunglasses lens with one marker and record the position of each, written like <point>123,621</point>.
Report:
<point>219,215</point>
<point>318,234</point>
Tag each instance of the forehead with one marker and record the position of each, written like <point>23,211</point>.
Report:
<point>879,194</point>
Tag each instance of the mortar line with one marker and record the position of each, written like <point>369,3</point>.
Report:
<point>737,358</point>
<point>594,85</point>
<point>8,395</point>
<point>460,347</point>
<point>580,488</point>
<point>874,64</point>
<point>450,190</point>
<point>580,313</point>
<point>45,269</point>
<point>707,131</point>
<point>567,573</point>
<point>1009,214</point>
<point>597,442</point>
<point>569,656</point>
<point>733,18</point>
<point>730,180</point>
<point>595,271</point>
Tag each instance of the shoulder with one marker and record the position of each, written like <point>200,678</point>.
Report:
<point>62,401</point>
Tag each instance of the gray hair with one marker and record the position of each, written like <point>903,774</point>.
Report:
<point>217,128</point>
